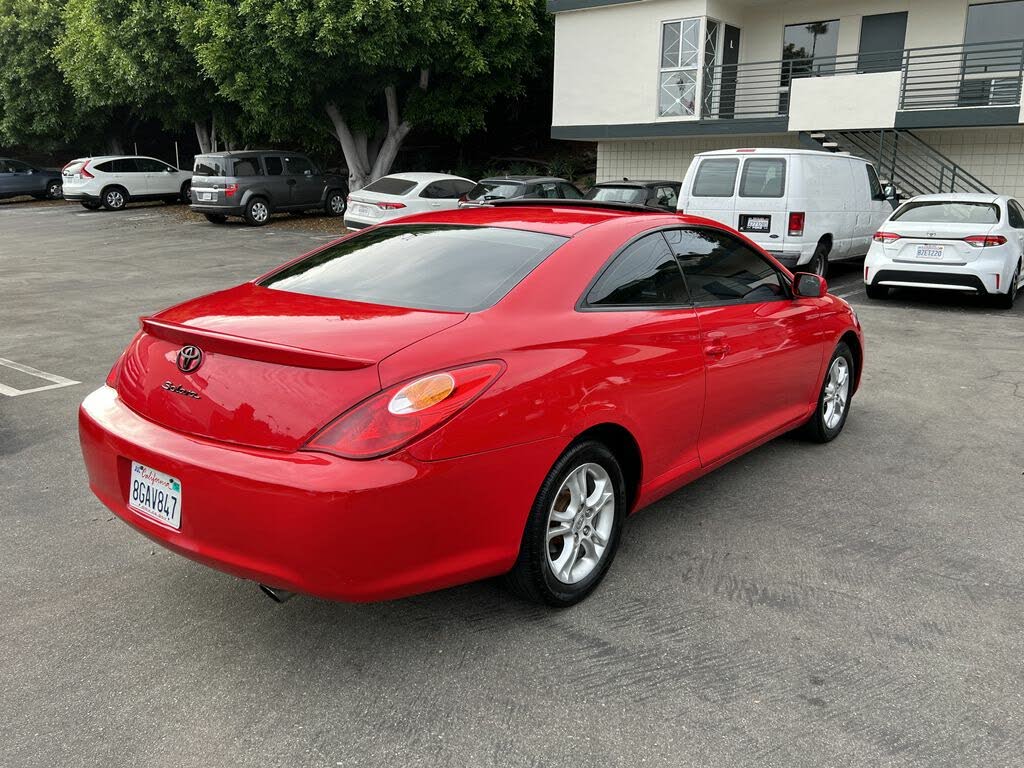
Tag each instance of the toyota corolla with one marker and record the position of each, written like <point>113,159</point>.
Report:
<point>460,395</point>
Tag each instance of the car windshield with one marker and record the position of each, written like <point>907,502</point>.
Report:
<point>494,190</point>
<point>441,266</point>
<point>210,165</point>
<point>618,194</point>
<point>948,212</point>
<point>390,185</point>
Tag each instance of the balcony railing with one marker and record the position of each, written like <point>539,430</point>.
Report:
<point>938,77</point>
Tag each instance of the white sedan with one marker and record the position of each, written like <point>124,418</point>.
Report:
<point>950,242</point>
<point>402,194</point>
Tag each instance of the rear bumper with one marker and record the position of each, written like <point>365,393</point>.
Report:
<point>316,523</point>
<point>223,210</point>
<point>988,273</point>
<point>79,197</point>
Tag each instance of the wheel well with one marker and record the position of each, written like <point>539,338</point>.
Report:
<point>858,354</point>
<point>112,186</point>
<point>621,443</point>
<point>826,240</point>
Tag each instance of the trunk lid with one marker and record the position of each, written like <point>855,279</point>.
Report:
<point>923,242</point>
<point>275,366</point>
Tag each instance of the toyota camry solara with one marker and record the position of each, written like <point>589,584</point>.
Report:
<point>462,394</point>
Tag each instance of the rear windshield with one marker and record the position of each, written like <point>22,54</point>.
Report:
<point>618,194</point>
<point>210,165</point>
<point>440,266</point>
<point>763,177</point>
<point>948,212</point>
<point>390,185</point>
<point>716,178</point>
<point>495,190</point>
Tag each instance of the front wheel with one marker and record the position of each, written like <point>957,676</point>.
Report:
<point>833,406</point>
<point>334,205</point>
<point>574,528</point>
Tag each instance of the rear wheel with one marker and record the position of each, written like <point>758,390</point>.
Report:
<point>115,198</point>
<point>876,291</point>
<point>833,406</point>
<point>257,212</point>
<point>334,205</point>
<point>54,190</point>
<point>574,528</point>
<point>1005,300</point>
<point>185,193</point>
<point>215,218</point>
<point>91,205</point>
<point>818,265</point>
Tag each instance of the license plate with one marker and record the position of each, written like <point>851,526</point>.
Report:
<point>756,223</point>
<point>155,494</point>
<point>930,252</point>
<point>206,195</point>
<point>362,210</point>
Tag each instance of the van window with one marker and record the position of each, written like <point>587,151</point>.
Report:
<point>948,212</point>
<point>763,177</point>
<point>716,178</point>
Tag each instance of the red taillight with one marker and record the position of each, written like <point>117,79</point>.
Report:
<point>984,241</point>
<point>885,237</point>
<point>390,206</point>
<point>796,224</point>
<point>230,190</point>
<point>395,417</point>
<point>85,172</point>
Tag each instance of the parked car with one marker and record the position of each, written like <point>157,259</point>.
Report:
<point>112,182</point>
<point>950,242</point>
<point>514,187</point>
<point>659,194</point>
<point>19,178</point>
<point>256,184</point>
<point>461,394</point>
<point>806,208</point>
<point>401,194</point>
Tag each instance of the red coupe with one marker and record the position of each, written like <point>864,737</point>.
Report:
<point>462,394</point>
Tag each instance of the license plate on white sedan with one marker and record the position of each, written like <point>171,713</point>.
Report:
<point>930,252</point>
<point>362,210</point>
<point>155,494</point>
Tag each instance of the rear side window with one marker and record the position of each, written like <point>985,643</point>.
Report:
<point>275,167</point>
<point>1015,214</point>
<point>618,194</point>
<point>124,165</point>
<point>644,274</point>
<point>720,269</point>
<point>440,267</point>
<point>247,166</point>
<point>298,166</point>
<point>210,165</point>
<point>948,212</point>
<point>569,192</point>
<point>107,167</point>
<point>715,178</point>
<point>763,177</point>
<point>495,190</point>
<point>667,197</point>
<point>390,185</point>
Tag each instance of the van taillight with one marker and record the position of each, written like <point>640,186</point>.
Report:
<point>796,224</point>
<point>230,189</point>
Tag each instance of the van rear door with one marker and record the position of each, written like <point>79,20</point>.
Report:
<point>710,189</point>
<point>761,210</point>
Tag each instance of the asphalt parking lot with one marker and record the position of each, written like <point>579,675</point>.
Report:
<point>853,604</point>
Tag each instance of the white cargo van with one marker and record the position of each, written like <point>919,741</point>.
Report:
<point>804,207</point>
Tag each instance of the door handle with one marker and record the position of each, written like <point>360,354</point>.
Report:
<point>716,350</point>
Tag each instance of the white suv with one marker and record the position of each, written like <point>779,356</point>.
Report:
<point>114,181</point>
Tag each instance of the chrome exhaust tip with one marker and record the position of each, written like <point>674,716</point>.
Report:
<point>275,594</point>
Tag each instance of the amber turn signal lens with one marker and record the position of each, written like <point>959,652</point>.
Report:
<point>422,394</point>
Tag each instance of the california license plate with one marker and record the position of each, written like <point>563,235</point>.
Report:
<point>362,210</point>
<point>206,195</point>
<point>930,252</point>
<point>756,223</point>
<point>155,494</point>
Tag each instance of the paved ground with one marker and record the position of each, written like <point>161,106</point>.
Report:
<point>854,604</point>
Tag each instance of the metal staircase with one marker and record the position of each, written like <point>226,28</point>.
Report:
<point>901,158</point>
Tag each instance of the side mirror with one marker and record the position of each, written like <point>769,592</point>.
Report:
<point>890,192</point>
<point>808,286</point>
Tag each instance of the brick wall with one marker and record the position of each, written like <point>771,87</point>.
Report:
<point>994,155</point>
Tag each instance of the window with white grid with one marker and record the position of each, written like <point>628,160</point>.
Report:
<point>680,59</point>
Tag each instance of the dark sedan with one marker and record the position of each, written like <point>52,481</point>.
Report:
<point>19,178</point>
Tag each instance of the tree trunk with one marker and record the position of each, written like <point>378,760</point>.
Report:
<point>207,136</point>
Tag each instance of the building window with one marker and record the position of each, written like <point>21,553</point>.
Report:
<point>811,47</point>
<point>994,23</point>
<point>680,59</point>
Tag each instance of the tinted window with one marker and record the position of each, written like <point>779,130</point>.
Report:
<point>439,190</point>
<point>495,190</point>
<point>990,23</point>
<point>461,187</point>
<point>547,191</point>
<point>666,197</point>
<point>948,212</point>
<point>1015,214</point>
<point>298,166</point>
<point>391,185</point>
<point>644,274</point>
<point>763,177</point>
<point>149,165</point>
<point>4,167</point>
<point>569,192</point>
<point>809,47</point>
<point>16,166</point>
<point>274,165</point>
<point>107,167</point>
<point>441,266</point>
<point>719,268</point>
<point>716,178</point>
<point>247,166</point>
<point>874,184</point>
<point>612,194</point>
<point>125,165</point>
<point>210,165</point>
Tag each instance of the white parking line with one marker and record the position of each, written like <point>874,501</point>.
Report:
<point>58,381</point>
<point>854,292</point>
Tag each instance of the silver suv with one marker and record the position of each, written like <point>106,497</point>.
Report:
<point>255,184</point>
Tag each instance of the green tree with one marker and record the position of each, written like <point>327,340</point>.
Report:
<point>369,71</point>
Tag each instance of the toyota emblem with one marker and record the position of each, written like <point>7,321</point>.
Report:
<point>189,359</point>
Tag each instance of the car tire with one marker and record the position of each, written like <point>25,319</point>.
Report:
<point>818,265</point>
<point>91,205</point>
<point>257,212</point>
<point>114,198</point>
<point>215,218</point>
<point>876,292</point>
<point>834,399</point>
<point>185,193</point>
<point>54,190</point>
<point>1006,300</point>
<point>562,569</point>
<point>334,204</point>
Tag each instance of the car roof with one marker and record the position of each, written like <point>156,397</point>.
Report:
<point>635,183</point>
<point>523,179</point>
<point>248,153</point>
<point>775,151</point>
<point>103,158</point>
<point>959,197</point>
<point>424,176</point>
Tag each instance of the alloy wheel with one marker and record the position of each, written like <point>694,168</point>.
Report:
<point>337,204</point>
<point>580,523</point>
<point>837,393</point>
<point>53,190</point>
<point>114,199</point>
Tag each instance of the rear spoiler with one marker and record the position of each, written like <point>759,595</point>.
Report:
<point>250,349</point>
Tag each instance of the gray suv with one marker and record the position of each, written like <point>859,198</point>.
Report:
<point>254,184</point>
